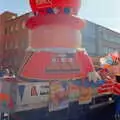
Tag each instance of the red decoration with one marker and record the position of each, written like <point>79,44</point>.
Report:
<point>107,87</point>
<point>36,5</point>
<point>41,67</point>
<point>116,89</point>
<point>71,21</point>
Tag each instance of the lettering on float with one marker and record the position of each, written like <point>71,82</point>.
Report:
<point>39,90</point>
<point>43,2</point>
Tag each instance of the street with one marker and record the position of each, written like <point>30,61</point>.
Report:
<point>75,113</point>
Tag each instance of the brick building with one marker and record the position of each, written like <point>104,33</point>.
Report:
<point>14,38</point>
<point>97,40</point>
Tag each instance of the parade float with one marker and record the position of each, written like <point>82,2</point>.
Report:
<point>56,70</point>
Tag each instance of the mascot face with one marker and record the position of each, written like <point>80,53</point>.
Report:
<point>55,36</point>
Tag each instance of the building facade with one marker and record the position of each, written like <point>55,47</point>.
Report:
<point>97,40</point>
<point>14,39</point>
<point>89,38</point>
<point>109,40</point>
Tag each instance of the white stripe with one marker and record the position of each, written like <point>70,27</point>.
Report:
<point>56,50</point>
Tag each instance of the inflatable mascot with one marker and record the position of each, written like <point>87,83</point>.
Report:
<point>55,43</point>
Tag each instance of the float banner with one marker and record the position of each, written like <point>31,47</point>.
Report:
<point>85,95</point>
<point>85,92</point>
<point>7,96</point>
<point>32,95</point>
<point>58,95</point>
<point>74,90</point>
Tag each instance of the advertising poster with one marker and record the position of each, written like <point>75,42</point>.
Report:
<point>95,92</point>
<point>85,95</point>
<point>58,95</point>
<point>85,92</point>
<point>74,90</point>
<point>32,95</point>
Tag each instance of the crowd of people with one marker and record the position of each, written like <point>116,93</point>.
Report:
<point>109,70</point>
<point>6,72</point>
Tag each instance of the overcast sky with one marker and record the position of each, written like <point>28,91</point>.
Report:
<point>103,12</point>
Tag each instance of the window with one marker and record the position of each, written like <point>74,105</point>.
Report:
<point>23,25</point>
<point>105,50</point>
<point>11,44</point>
<point>23,44</point>
<point>16,44</point>
<point>11,29</point>
<point>16,27</point>
<point>111,37</point>
<point>6,31</point>
<point>108,50</point>
<point>6,45</point>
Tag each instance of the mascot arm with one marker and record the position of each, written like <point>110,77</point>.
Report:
<point>92,74</point>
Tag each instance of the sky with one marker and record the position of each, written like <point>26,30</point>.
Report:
<point>103,12</point>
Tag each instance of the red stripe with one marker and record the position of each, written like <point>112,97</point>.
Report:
<point>107,86</point>
<point>104,90</point>
<point>116,91</point>
<point>117,85</point>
